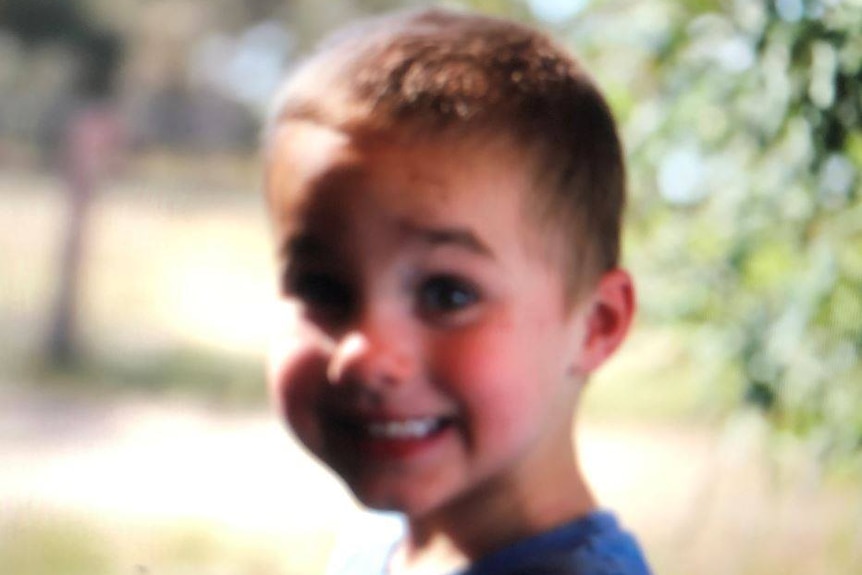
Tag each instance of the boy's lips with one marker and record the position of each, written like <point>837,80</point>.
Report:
<point>390,436</point>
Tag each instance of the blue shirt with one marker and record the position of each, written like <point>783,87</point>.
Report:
<point>592,545</point>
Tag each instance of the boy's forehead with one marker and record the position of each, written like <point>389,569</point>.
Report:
<point>306,158</point>
<point>446,179</point>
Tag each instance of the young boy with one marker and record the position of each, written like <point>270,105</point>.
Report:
<point>446,191</point>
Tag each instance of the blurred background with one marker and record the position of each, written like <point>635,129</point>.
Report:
<point>136,283</point>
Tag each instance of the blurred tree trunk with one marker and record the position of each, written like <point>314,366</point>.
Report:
<point>91,138</point>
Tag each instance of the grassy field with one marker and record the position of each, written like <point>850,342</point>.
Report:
<point>168,402</point>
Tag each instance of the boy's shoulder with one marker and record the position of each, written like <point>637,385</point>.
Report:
<point>592,545</point>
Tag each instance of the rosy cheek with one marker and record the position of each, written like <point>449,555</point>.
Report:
<point>293,379</point>
<point>482,372</point>
<point>297,378</point>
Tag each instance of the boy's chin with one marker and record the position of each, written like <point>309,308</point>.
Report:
<point>379,500</point>
<point>405,501</point>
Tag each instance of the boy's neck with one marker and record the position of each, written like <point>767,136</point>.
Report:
<point>476,526</point>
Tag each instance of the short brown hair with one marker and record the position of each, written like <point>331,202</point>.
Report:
<point>433,71</point>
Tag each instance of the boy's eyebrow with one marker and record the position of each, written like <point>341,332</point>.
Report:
<point>307,246</point>
<point>462,237</point>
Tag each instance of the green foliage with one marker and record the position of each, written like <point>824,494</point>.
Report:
<point>217,378</point>
<point>36,22</point>
<point>752,228</point>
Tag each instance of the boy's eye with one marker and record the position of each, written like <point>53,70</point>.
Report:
<point>445,295</point>
<point>320,291</point>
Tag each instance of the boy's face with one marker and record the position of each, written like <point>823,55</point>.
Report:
<point>425,352</point>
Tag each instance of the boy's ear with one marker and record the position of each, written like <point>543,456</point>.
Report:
<point>607,317</point>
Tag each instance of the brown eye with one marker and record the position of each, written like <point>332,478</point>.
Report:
<point>446,295</point>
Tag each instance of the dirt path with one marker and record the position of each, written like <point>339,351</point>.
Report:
<point>160,461</point>
<point>145,460</point>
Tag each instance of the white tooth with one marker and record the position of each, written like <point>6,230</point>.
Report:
<point>414,428</point>
<point>410,428</point>
<point>421,427</point>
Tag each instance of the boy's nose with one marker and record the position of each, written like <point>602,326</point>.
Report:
<point>371,358</point>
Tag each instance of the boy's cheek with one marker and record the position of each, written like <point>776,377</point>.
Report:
<point>499,375</point>
<point>296,371</point>
<point>294,377</point>
<point>483,372</point>
<point>481,355</point>
<point>295,382</point>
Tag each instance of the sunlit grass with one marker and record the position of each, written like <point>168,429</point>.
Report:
<point>53,543</point>
<point>45,545</point>
<point>209,377</point>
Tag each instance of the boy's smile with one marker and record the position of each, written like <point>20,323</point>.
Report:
<point>425,352</point>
